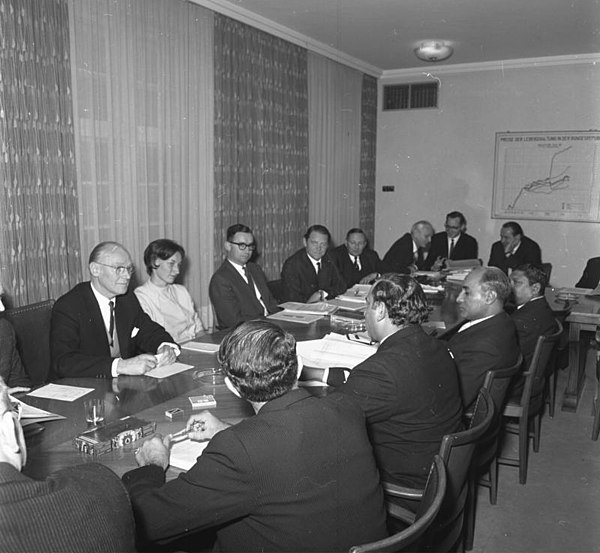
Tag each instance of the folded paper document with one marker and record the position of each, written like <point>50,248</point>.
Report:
<point>335,350</point>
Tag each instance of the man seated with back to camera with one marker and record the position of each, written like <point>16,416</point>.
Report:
<point>355,260</point>
<point>309,275</point>
<point>82,508</point>
<point>98,329</point>
<point>408,389</point>
<point>533,316</point>
<point>486,339</point>
<point>238,290</point>
<point>298,476</point>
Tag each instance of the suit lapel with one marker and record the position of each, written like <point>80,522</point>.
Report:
<point>97,326</point>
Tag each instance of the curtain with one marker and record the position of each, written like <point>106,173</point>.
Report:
<point>334,150</point>
<point>39,246</point>
<point>368,151</point>
<point>261,140</point>
<point>143,103</point>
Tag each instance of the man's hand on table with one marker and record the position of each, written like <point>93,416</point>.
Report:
<point>138,365</point>
<point>154,451</point>
<point>204,426</point>
<point>166,355</point>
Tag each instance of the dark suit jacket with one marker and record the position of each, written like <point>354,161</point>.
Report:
<point>298,476</point>
<point>491,344</point>
<point>534,319</point>
<point>233,299</point>
<point>369,263</point>
<point>410,395</point>
<point>78,340</point>
<point>299,279</point>
<point>528,252</point>
<point>82,508</point>
<point>591,274</point>
<point>400,257</point>
<point>11,368</point>
<point>464,248</point>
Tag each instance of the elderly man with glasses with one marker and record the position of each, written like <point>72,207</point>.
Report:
<point>454,243</point>
<point>99,329</point>
<point>238,290</point>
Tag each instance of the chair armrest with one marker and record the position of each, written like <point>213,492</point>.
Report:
<point>415,494</point>
<point>400,513</point>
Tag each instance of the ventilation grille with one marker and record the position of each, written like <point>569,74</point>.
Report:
<point>410,96</point>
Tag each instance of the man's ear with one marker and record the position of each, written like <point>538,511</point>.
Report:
<point>227,246</point>
<point>490,296</point>
<point>231,387</point>
<point>536,288</point>
<point>94,269</point>
<point>305,242</point>
<point>380,311</point>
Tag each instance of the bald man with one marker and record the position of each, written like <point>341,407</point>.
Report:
<point>410,253</point>
<point>99,329</point>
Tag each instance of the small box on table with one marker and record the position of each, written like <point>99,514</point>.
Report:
<point>206,401</point>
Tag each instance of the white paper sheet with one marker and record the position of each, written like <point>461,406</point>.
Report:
<point>201,346</point>
<point>185,453</point>
<point>30,412</point>
<point>60,392</point>
<point>168,370</point>
<point>300,318</point>
<point>334,350</point>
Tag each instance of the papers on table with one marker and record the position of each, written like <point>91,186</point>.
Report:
<point>428,289</point>
<point>293,317</point>
<point>334,350</point>
<point>318,308</point>
<point>185,453</point>
<point>60,392</point>
<point>350,304</point>
<point>458,276</point>
<point>31,415</point>
<point>568,293</point>
<point>201,346</point>
<point>168,370</point>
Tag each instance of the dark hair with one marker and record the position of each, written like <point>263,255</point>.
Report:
<point>317,228</point>
<point>259,358</point>
<point>495,279</point>
<point>355,231</point>
<point>102,248</point>
<point>534,275</point>
<point>160,249</point>
<point>403,298</point>
<point>234,229</point>
<point>514,227</point>
<point>457,215</point>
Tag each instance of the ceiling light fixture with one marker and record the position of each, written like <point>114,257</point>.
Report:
<point>433,50</point>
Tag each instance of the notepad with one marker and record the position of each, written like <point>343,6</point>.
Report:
<point>184,454</point>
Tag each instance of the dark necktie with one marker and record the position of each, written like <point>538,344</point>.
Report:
<point>356,263</point>
<point>419,257</point>
<point>451,248</point>
<point>318,267</point>
<point>111,326</point>
<point>248,278</point>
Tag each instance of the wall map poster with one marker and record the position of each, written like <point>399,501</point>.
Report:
<point>547,175</point>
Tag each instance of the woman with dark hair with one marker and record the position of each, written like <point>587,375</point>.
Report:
<point>167,303</point>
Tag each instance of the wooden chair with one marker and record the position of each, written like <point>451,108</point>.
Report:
<point>530,409</point>
<point>484,466</point>
<point>596,404</point>
<point>32,329</point>
<point>547,268</point>
<point>430,504</point>
<point>561,348</point>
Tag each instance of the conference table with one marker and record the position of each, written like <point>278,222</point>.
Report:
<point>148,398</point>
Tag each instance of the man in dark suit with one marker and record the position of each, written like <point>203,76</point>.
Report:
<point>98,329</point>
<point>298,476</point>
<point>82,508</point>
<point>487,340</point>
<point>410,253</point>
<point>514,249</point>
<point>238,290</point>
<point>356,262</point>
<point>408,389</point>
<point>309,275</point>
<point>533,316</point>
<point>591,274</point>
<point>454,243</point>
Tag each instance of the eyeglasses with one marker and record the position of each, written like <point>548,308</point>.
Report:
<point>121,270</point>
<point>451,227</point>
<point>242,245</point>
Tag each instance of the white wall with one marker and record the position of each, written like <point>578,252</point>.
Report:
<point>442,159</point>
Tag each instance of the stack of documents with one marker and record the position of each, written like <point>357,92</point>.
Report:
<point>458,276</point>
<point>335,350</point>
<point>31,415</point>
<point>303,313</point>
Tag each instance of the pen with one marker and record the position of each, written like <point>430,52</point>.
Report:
<point>184,434</point>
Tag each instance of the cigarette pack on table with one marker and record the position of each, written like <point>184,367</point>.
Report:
<point>206,401</point>
<point>102,439</point>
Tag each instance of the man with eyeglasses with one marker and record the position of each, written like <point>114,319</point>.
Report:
<point>238,290</point>
<point>99,329</point>
<point>309,275</point>
<point>81,508</point>
<point>454,243</point>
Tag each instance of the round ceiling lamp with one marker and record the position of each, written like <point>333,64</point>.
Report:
<point>433,50</point>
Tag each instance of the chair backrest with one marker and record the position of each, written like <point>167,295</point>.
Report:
<point>276,288</point>
<point>32,329</point>
<point>430,504</point>
<point>497,383</point>
<point>457,451</point>
<point>547,268</point>
<point>542,364</point>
